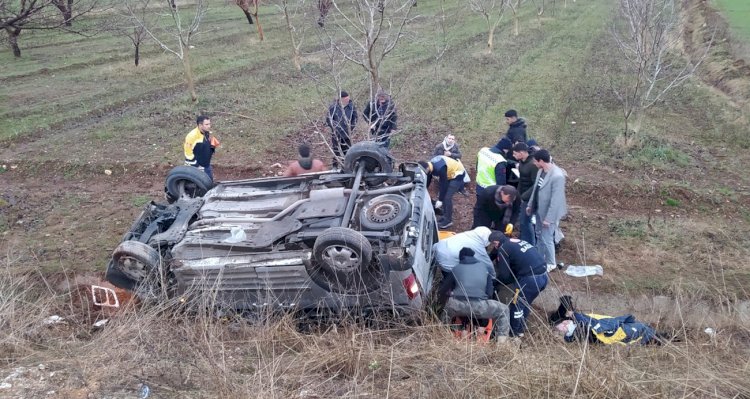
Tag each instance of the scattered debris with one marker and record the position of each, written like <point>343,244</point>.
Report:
<point>107,172</point>
<point>583,271</point>
<point>237,234</point>
<point>101,323</point>
<point>55,319</point>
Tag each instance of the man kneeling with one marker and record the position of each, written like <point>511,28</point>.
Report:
<point>470,283</point>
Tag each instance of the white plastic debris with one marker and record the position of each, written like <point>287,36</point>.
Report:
<point>5,385</point>
<point>53,320</point>
<point>710,331</point>
<point>583,271</point>
<point>237,234</point>
<point>107,172</point>
<point>101,323</point>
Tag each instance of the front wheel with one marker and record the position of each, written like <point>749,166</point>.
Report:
<point>186,182</point>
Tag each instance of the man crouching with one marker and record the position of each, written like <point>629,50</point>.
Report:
<point>470,283</point>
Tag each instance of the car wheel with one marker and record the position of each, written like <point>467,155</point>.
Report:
<point>343,261</point>
<point>136,260</point>
<point>384,212</point>
<point>375,158</point>
<point>187,182</point>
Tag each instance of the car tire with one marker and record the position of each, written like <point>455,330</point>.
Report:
<point>187,181</point>
<point>375,158</point>
<point>135,260</point>
<point>342,261</point>
<point>384,212</point>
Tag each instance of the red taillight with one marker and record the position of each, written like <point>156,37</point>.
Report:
<point>411,286</point>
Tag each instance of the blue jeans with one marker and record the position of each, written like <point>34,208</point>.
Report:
<point>546,240</point>
<point>527,229</point>
<point>529,288</point>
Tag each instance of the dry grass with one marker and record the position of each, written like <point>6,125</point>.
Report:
<point>180,353</point>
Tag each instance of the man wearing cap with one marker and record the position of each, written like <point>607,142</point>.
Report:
<point>451,173</point>
<point>497,207</point>
<point>341,118</point>
<point>382,117</point>
<point>470,286</point>
<point>305,163</point>
<point>516,127</point>
<point>520,267</point>
<point>491,168</point>
<point>547,202</point>
<point>527,171</point>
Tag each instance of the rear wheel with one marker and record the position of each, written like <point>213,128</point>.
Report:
<point>187,182</point>
<point>374,157</point>
<point>343,262</point>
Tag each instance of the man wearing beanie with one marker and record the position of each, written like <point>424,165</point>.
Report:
<point>516,127</point>
<point>527,171</point>
<point>305,163</point>
<point>470,285</point>
<point>341,118</point>
<point>520,267</point>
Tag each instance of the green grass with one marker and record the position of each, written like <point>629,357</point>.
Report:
<point>737,13</point>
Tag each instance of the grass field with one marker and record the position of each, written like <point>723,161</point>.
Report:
<point>738,15</point>
<point>667,218</point>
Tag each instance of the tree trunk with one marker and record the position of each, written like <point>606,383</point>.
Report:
<point>490,41</point>
<point>13,40</point>
<point>260,28</point>
<point>68,14</point>
<point>249,16</point>
<point>189,74</point>
<point>515,24</point>
<point>137,53</point>
<point>295,49</point>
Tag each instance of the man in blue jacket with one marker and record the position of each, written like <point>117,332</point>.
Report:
<point>521,267</point>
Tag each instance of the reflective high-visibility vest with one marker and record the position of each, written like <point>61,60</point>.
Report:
<point>486,162</point>
<point>618,337</point>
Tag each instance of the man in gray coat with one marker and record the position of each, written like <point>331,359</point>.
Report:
<point>547,201</point>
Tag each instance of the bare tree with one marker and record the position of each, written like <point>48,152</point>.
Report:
<point>295,18</point>
<point>177,30</point>
<point>514,5</point>
<point>18,15</point>
<point>492,11</point>
<point>123,24</point>
<point>323,7</point>
<point>647,35</point>
<point>250,8</point>
<point>371,29</point>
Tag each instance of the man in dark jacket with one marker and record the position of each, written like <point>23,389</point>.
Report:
<point>521,267</point>
<point>451,173</point>
<point>341,118</point>
<point>497,207</point>
<point>382,117</point>
<point>527,171</point>
<point>470,287</point>
<point>516,127</point>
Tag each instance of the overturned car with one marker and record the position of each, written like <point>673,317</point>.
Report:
<point>360,238</point>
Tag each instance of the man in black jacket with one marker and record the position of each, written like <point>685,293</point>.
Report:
<point>341,118</point>
<point>527,171</point>
<point>522,268</point>
<point>516,127</point>
<point>497,207</point>
<point>382,117</point>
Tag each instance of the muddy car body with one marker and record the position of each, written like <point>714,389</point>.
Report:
<point>358,239</point>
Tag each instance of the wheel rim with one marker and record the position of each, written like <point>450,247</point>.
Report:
<point>133,268</point>
<point>383,211</point>
<point>342,258</point>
